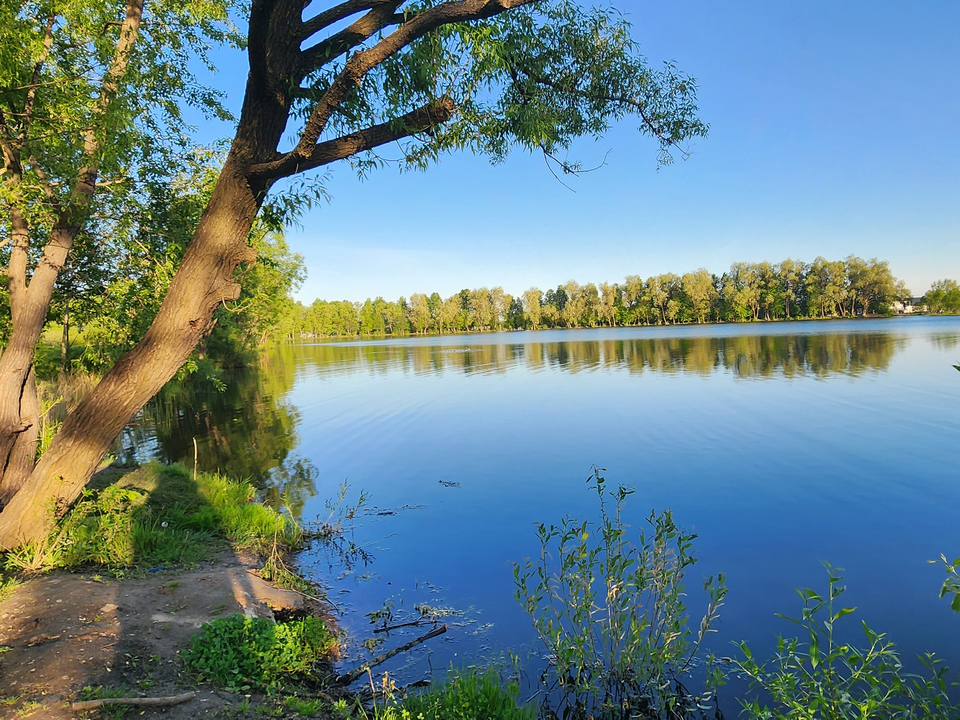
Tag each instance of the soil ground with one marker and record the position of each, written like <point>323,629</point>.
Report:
<point>65,632</point>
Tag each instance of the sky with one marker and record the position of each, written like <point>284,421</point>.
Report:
<point>834,130</point>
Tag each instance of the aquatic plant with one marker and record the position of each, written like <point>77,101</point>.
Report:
<point>612,614</point>
<point>827,679</point>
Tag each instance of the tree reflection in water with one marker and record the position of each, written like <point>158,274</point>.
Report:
<point>249,429</point>
<point>246,430</point>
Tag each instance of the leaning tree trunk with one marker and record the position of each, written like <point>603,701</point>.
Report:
<point>203,281</point>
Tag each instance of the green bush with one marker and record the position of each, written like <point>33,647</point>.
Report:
<point>612,613</point>
<point>238,652</point>
<point>464,696</point>
<point>827,679</point>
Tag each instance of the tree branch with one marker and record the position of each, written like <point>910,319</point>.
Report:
<point>336,14</point>
<point>35,80</point>
<point>364,61</point>
<point>72,212</point>
<point>638,105</point>
<point>45,183</point>
<point>421,119</point>
<point>344,41</point>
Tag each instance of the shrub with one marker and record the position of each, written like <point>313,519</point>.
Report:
<point>464,696</point>
<point>238,652</point>
<point>832,680</point>
<point>612,614</point>
<point>468,696</point>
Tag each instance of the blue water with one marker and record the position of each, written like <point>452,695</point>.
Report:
<point>782,445</point>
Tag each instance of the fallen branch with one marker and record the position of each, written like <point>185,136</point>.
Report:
<point>349,677</point>
<point>412,623</point>
<point>151,701</point>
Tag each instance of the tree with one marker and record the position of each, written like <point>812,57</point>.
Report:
<point>92,94</point>
<point>419,313</point>
<point>942,297</point>
<point>609,297</point>
<point>531,307</point>
<point>699,288</point>
<point>484,75</point>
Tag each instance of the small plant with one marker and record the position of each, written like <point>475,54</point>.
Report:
<point>951,586</point>
<point>825,678</point>
<point>612,613</point>
<point>469,696</point>
<point>7,586</point>
<point>239,653</point>
<point>464,696</point>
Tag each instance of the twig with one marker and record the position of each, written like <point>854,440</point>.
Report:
<point>349,677</point>
<point>151,701</point>
<point>412,623</point>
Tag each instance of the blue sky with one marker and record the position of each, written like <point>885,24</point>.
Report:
<point>835,129</point>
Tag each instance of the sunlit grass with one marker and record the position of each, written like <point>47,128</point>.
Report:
<point>158,516</point>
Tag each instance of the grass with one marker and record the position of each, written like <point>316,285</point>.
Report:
<point>465,695</point>
<point>157,516</point>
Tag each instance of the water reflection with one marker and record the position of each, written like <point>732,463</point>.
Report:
<point>245,430</point>
<point>747,356</point>
<point>249,429</point>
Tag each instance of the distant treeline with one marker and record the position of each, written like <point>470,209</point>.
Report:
<point>748,291</point>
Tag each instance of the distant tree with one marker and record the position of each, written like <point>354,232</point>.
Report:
<point>609,301</point>
<point>942,297</point>
<point>532,299</point>
<point>700,289</point>
<point>420,315</point>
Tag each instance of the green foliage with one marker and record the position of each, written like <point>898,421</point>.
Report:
<point>951,586</point>
<point>465,695</point>
<point>239,653</point>
<point>747,292</point>
<point>943,297</point>
<point>158,516</point>
<point>468,696</point>
<point>825,678</point>
<point>612,613</point>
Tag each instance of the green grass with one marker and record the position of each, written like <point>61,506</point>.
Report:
<point>240,653</point>
<point>159,516</point>
<point>465,695</point>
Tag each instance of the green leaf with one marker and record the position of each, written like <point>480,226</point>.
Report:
<point>843,612</point>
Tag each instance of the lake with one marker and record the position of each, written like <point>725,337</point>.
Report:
<point>783,445</point>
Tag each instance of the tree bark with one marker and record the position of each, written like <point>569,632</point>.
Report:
<point>65,342</point>
<point>23,454</point>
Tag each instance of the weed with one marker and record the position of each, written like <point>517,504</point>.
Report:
<point>833,680</point>
<point>612,614</point>
<point>28,708</point>
<point>464,696</point>
<point>7,586</point>
<point>239,653</point>
<point>304,707</point>
<point>107,712</point>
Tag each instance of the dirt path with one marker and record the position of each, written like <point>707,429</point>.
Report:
<point>69,631</point>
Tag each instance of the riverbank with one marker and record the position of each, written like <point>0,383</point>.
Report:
<point>147,557</point>
<point>176,591</point>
